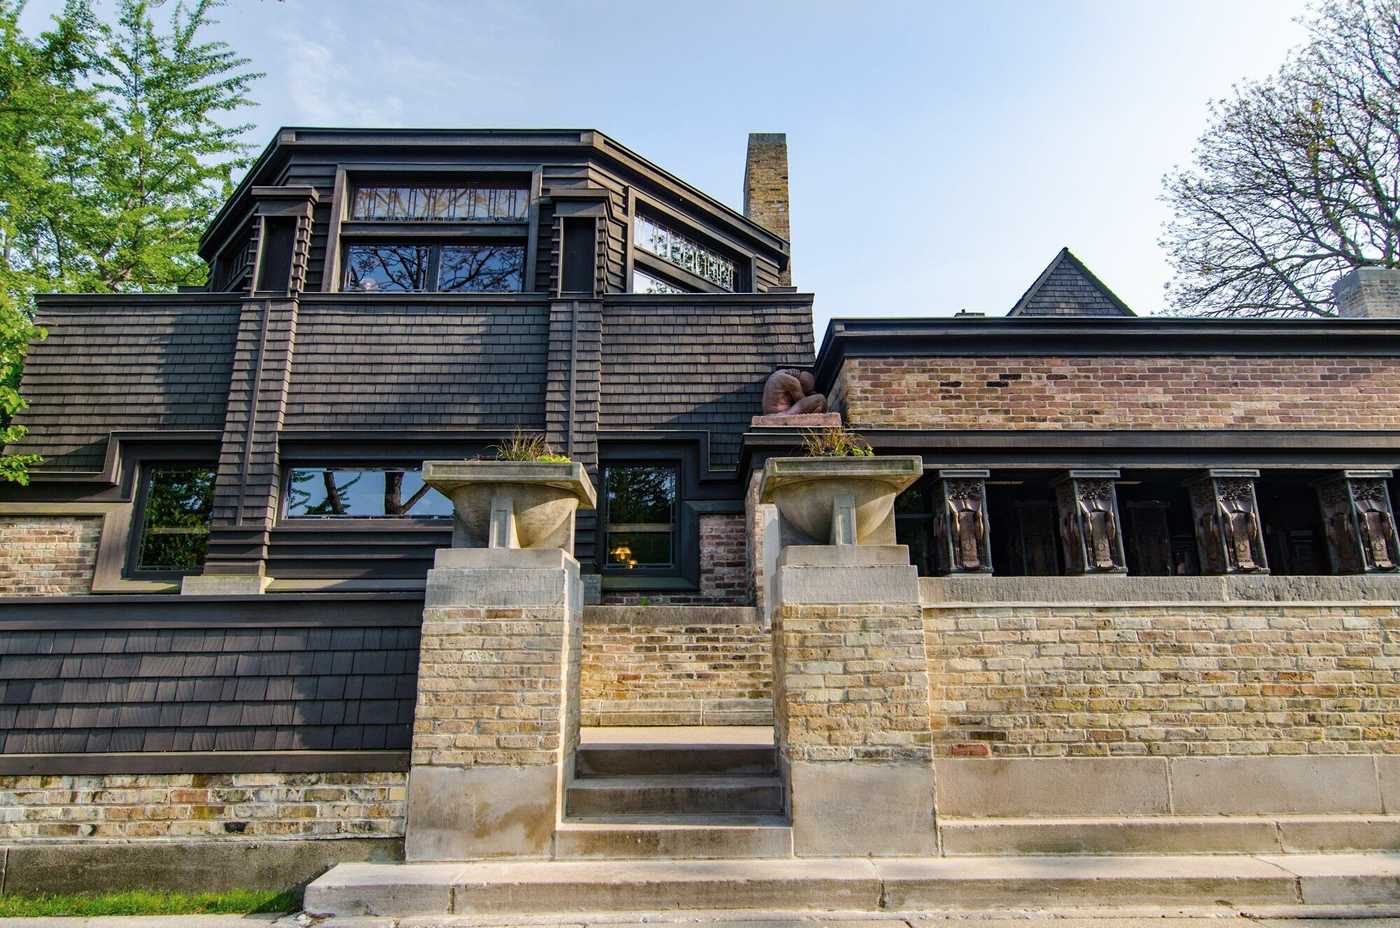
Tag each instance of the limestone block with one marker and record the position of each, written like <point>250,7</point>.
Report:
<point>461,813</point>
<point>846,809</point>
<point>1307,785</point>
<point>1051,786</point>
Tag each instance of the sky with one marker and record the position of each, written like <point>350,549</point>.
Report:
<point>941,153</point>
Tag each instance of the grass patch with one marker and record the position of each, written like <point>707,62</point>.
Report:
<point>142,902</point>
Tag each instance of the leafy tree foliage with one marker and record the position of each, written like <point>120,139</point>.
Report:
<point>116,149</point>
<point>1297,179</point>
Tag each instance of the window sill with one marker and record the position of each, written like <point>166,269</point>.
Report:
<point>644,583</point>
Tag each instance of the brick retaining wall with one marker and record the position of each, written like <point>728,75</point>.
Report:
<point>48,555</point>
<point>677,674</point>
<point>1026,680</point>
<point>1119,393</point>
<point>204,806</point>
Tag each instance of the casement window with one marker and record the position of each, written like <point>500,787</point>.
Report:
<point>680,250</point>
<point>173,507</point>
<point>484,267</point>
<point>362,493</point>
<point>435,237</point>
<point>640,517</point>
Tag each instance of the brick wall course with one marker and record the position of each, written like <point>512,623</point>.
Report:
<point>48,555</point>
<point>490,691</point>
<point>238,806</point>
<point>677,675</point>
<point>852,683</point>
<point>1119,393</point>
<point>1164,680</point>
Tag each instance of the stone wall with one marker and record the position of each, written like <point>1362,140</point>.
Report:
<point>1118,393</point>
<point>133,807</point>
<point>48,555</point>
<point>675,670</point>
<point>1200,679</point>
<point>724,578</point>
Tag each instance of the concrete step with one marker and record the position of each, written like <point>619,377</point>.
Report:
<point>680,837</point>
<point>650,760</point>
<point>692,795</point>
<point>852,884</point>
<point>1171,834</point>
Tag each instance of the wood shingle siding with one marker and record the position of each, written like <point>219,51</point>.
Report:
<point>124,364</point>
<point>419,365</point>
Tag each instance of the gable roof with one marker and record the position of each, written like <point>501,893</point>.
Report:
<point>1067,288</point>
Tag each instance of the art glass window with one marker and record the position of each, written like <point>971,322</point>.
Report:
<point>683,251</point>
<point>440,203</point>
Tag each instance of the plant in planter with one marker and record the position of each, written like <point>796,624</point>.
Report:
<point>841,493</point>
<point>835,442</point>
<point>524,498</point>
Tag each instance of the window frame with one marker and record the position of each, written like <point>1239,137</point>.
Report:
<point>745,259</point>
<point>344,230</point>
<point>284,493</point>
<point>131,561</point>
<point>672,569</point>
<point>433,270</point>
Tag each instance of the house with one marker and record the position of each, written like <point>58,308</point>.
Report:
<point>1137,542</point>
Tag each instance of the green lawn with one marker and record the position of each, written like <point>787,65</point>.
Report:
<point>140,902</point>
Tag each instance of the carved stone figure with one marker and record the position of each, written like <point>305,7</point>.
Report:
<point>1358,522</point>
<point>1229,536</point>
<point>963,524</point>
<point>1089,527</point>
<point>1239,522</point>
<point>790,392</point>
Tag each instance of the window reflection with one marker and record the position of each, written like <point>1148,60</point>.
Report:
<point>482,268</point>
<point>641,505</point>
<point>175,518</point>
<point>362,493</point>
<point>642,282</point>
<point>386,268</point>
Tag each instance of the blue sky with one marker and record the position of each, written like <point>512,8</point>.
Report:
<point>941,152</point>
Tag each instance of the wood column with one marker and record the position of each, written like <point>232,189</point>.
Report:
<point>1225,513</point>
<point>1090,529</point>
<point>1358,522</point>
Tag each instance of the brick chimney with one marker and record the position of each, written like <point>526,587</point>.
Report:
<point>766,186</point>
<point>1368,293</point>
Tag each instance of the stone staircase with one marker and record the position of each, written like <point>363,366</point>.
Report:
<point>675,793</point>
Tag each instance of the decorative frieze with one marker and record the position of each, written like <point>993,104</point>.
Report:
<point>1090,528</point>
<point>1225,514</point>
<point>1358,522</point>
<point>961,536</point>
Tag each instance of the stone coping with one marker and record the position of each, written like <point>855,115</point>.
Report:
<point>671,615</point>
<point>1121,590</point>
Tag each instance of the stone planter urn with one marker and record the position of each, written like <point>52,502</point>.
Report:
<point>837,501</point>
<point>512,504</point>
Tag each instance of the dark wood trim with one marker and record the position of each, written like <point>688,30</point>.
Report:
<point>204,762</point>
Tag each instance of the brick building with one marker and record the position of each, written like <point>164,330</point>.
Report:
<point>1147,553</point>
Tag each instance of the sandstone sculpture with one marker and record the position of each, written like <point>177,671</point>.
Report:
<point>790,392</point>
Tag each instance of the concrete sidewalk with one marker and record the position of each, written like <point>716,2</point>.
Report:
<point>1138,917</point>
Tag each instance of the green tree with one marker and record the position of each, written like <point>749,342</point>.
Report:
<point>118,143</point>
<point>1297,179</point>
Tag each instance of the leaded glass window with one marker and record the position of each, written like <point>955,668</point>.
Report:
<point>386,268</point>
<point>641,516</point>
<point>362,493</point>
<point>490,268</point>
<point>176,502</point>
<point>683,251</point>
<point>643,282</point>
<point>440,203</point>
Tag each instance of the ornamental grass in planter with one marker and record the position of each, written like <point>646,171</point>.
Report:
<point>841,493</point>
<point>525,498</point>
